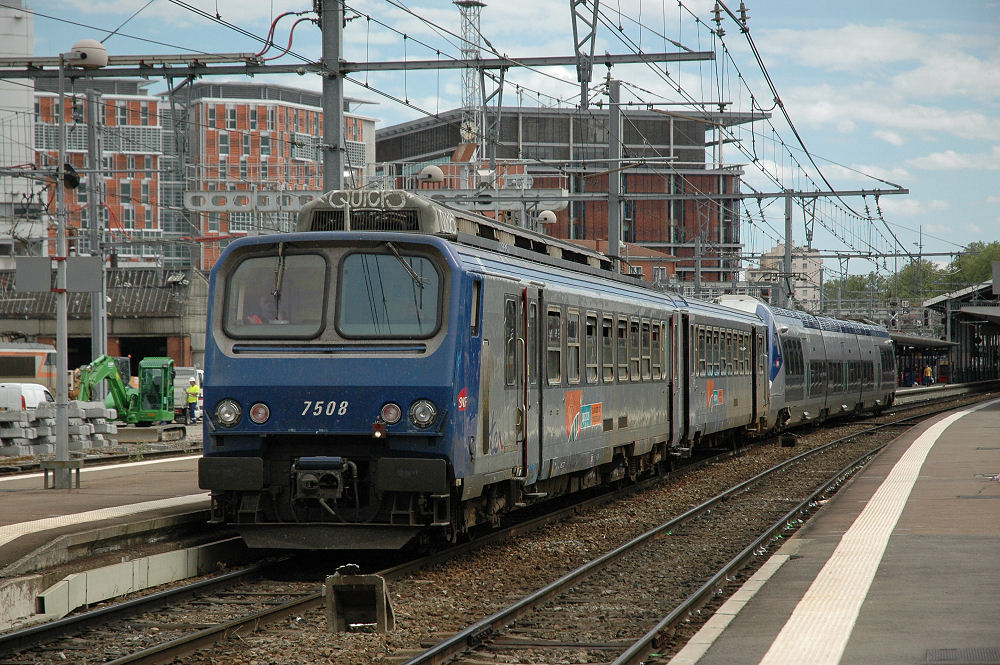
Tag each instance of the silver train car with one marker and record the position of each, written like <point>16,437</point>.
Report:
<point>821,367</point>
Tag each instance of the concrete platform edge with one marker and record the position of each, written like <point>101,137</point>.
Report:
<point>25,605</point>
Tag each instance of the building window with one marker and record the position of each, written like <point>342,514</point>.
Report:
<point>271,124</point>
<point>148,165</point>
<point>125,192</point>
<point>230,117</point>
<point>265,146</point>
<point>211,116</point>
<point>253,117</point>
<point>121,111</point>
<point>128,217</point>
<point>246,143</point>
<point>130,166</point>
<point>223,143</point>
<point>145,191</point>
<point>144,113</point>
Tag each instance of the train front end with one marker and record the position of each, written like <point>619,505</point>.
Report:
<point>330,406</point>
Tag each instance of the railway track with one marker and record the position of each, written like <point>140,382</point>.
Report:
<point>623,604</point>
<point>699,530</point>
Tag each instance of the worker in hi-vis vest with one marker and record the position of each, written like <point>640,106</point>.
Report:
<point>192,395</point>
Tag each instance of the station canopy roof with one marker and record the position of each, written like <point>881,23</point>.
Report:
<point>919,341</point>
<point>975,303</point>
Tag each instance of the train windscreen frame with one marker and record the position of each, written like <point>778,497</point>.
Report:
<point>277,296</point>
<point>388,295</point>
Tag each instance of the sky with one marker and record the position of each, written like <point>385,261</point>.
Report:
<point>882,94</point>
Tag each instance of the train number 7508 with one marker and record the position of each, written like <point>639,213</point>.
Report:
<point>324,407</point>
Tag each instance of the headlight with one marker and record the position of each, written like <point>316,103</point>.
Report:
<point>422,413</point>
<point>390,413</point>
<point>228,413</point>
<point>259,413</point>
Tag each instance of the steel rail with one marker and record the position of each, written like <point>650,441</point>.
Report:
<point>651,641</point>
<point>470,637</point>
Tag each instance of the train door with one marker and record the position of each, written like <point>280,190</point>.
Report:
<point>755,392</point>
<point>681,343</point>
<point>761,382</point>
<point>525,397</point>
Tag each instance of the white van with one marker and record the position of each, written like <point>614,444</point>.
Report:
<point>182,376</point>
<point>21,396</point>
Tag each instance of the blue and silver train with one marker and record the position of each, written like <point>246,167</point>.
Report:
<point>397,371</point>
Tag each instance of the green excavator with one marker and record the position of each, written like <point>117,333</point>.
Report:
<point>151,403</point>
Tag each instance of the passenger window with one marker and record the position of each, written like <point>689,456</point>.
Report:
<point>477,292</point>
<point>633,345</point>
<point>731,348</point>
<point>723,355</point>
<point>510,341</point>
<point>532,343</point>
<point>591,349</point>
<point>608,349</point>
<point>622,350</point>
<point>654,352</point>
<point>646,360</point>
<point>553,336</point>
<point>573,347</point>
<point>715,353</point>
<point>702,353</point>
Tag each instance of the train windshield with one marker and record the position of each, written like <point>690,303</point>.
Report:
<point>388,295</point>
<point>277,296</point>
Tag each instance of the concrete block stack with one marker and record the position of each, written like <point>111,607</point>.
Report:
<point>33,432</point>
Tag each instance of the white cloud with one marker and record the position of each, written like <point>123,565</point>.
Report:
<point>849,48</point>
<point>847,106</point>
<point>908,206</point>
<point>957,75</point>
<point>888,136</point>
<point>949,160</point>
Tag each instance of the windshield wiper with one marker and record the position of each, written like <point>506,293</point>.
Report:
<point>279,273</point>
<point>417,279</point>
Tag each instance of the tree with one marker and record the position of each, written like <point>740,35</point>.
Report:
<point>975,267</point>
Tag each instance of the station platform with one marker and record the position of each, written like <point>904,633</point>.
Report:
<point>111,497</point>
<point>901,566</point>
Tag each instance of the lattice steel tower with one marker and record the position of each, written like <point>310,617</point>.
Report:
<point>472,116</point>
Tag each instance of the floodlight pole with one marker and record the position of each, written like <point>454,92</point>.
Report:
<point>61,473</point>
